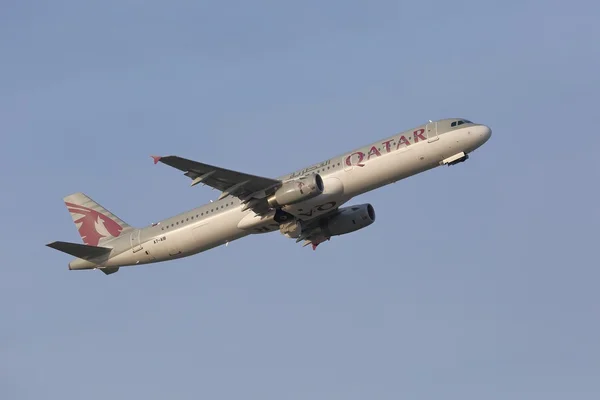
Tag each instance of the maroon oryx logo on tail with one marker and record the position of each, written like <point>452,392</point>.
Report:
<point>93,225</point>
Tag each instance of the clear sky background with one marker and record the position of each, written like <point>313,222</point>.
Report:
<point>479,281</point>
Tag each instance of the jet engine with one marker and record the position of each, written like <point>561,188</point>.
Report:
<point>296,191</point>
<point>348,219</point>
<point>345,220</point>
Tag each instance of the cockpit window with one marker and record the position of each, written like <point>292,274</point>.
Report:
<point>460,122</point>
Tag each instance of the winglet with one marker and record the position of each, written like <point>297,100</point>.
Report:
<point>156,159</point>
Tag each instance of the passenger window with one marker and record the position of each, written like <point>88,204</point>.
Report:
<point>453,124</point>
<point>460,122</point>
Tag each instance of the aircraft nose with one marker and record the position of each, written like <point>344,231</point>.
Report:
<point>485,132</point>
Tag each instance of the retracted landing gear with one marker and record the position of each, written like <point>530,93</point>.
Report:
<point>282,216</point>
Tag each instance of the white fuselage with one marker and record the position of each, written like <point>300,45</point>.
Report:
<point>344,177</point>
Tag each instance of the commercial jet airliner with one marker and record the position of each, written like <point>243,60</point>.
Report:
<point>304,205</point>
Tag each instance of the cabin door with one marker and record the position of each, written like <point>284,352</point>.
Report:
<point>431,129</point>
<point>136,244</point>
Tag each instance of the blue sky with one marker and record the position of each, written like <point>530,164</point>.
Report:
<point>476,281</point>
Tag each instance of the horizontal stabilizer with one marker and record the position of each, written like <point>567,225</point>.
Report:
<point>80,250</point>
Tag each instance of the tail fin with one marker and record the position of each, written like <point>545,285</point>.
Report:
<point>96,224</point>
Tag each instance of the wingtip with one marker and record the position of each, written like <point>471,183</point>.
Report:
<point>156,159</point>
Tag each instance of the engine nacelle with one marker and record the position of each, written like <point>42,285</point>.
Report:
<point>296,191</point>
<point>349,219</point>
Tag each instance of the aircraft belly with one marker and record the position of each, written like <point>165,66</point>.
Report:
<point>251,221</point>
<point>214,232</point>
<point>124,259</point>
<point>206,236</point>
<point>185,241</point>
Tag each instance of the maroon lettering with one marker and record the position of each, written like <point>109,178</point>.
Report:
<point>373,152</point>
<point>387,145</point>
<point>403,141</point>
<point>361,157</point>
<point>418,134</point>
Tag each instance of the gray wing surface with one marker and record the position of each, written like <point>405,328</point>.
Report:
<point>231,183</point>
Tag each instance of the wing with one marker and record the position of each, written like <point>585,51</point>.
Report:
<point>251,189</point>
<point>312,233</point>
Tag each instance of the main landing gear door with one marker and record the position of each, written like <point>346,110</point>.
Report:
<point>431,129</point>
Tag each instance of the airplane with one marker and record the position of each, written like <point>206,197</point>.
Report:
<point>304,205</point>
